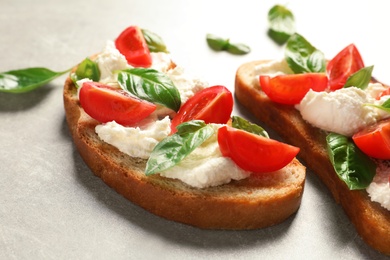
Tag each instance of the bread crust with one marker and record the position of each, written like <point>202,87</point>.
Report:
<point>255,202</point>
<point>371,221</point>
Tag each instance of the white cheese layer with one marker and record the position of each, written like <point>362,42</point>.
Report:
<point>379,189</point>
<point>109,61</point>
<point>134,141</point>
<point>342,111</point>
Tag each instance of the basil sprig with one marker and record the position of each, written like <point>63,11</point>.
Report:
<point>86,69</point>
<point>220,44</point>
<point>150,85</point>
<point>154,41</point>
<point>24,80</point>
<point>281,23</point>
<point>176,147</point>
<point>352,166</point>
<point>241,123</point>
<point>360,79</point>
<point>302,57</point>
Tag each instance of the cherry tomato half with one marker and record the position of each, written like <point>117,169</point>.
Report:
<point>131,43</point>
<point>254,153</point>
<point>212,105</point>
<point>290,89</point>
<point>106,104</point>
<point>375,140</point>
<point>343,65</point>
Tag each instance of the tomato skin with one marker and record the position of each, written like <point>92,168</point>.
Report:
<point>254,153</point>
<point>106,104</point>
<point>212,105</point>
<point>375,140</point>
<point>291,89</point>
<point>131,44</point>
<point>343,65</point>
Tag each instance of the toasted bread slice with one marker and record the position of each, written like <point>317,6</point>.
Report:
<point>255,202</point>
<point>371,220</point>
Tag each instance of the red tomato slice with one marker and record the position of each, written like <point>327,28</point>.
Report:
<point>343,65</point>
<point>212,105</point>
<point>106,104</point>
<point>290,89</point>
<point>131,43</point>
<point>254,153</point>
<point>375,140</point>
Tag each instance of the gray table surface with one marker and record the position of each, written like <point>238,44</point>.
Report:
<point>53,207</point>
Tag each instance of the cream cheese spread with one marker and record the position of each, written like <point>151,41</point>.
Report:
<point>342,111</point>
<point>109,61</point>
<point>134,141</point>
<point>379,189</point>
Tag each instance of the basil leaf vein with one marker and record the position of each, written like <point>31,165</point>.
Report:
<point>176,147</point>
<point>150,85</point>
<point>352,166</point>
<point>24,80</point>
<point>302,57</point>
<point>281,23</point>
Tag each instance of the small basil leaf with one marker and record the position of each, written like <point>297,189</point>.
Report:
<point>150,85</point>
<point>176,147</point>
<point>281,23</point>
<point>87,69</point>
<point>190,126</point>
<point>216,43</point>
<point>241,123</point>
<point>238,49</point>
<point>360,79</point>
<point>351,165</point>
<point>24,80</point>
<point>154,41</point>
<point>302,57</point>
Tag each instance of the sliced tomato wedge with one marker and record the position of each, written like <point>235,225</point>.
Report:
<point>291,89</point>
<point>106,104</point>
<point>212,105</point>
<point>375,140</point>
<point>254,153</point>
<point>343,65</point>
<point>131,43</point>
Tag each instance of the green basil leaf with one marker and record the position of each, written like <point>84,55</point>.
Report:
<point>281,23</point>
<point>86,69</point>
<point>238,49</point>
<point>241,123</point>
<point>154,41</point>
<point>150,85</point>
<point>360,79</point>
<point>302,57</point>
<point>216,43</point>
<point>220,44</point>
<point>352,166</point>
<point>24,80</point>
<point>176,147</point>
